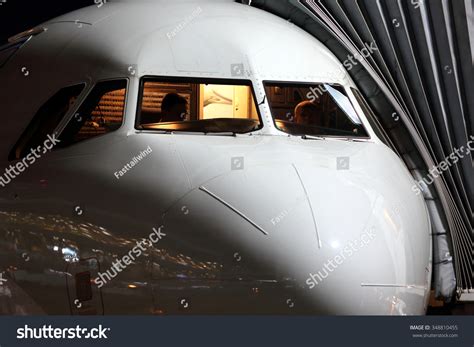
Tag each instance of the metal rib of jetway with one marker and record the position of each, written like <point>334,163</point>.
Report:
<point>420,84</point>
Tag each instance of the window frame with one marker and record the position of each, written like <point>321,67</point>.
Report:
<point>312,84</point>
<point>80,102</point>
<point>26,132</point>
<point>372,118</point>
<point>193,80</point>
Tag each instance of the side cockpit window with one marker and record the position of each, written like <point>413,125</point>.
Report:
<point>372,119</point>
<point>46,121</point>
<point>101,113</point>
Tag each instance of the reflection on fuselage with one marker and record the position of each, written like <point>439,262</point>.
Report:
<point>50,250</point>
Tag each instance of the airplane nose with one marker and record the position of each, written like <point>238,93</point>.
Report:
<point>315,204</point>
<point>267,201</point>
<point>344,237</point>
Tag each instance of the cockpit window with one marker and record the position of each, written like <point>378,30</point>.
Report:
<point>314,110</point>
<point>206,106</point>
<point>102,112</point>
<point>46,120</point>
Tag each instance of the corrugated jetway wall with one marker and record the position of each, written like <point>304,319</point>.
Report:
<point>419,82</point>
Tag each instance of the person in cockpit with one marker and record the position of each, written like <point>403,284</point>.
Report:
<point>307,113</point>
<point>173,108</point>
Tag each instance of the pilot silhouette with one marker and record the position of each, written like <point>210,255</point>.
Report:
<point>173,108</point>
<point>307,113</point>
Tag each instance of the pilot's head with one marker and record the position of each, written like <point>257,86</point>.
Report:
<point>307,113</point>
<point>173,108</point>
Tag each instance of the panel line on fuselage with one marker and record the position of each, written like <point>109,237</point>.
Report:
<point>310,206</point>
<point>205,190</point>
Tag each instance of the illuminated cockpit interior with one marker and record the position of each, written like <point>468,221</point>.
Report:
<point>317,110</point>
<point>197,106</point>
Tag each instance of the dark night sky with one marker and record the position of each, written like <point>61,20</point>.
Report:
<point>20,15</point>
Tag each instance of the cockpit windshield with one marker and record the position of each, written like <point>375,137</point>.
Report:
<point>206,106</point>
<point>313,110</point>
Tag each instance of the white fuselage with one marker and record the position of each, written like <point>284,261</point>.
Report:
<point>251,220</point>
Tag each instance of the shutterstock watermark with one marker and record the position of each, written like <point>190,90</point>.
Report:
<point>316,92</point>
<point>100,3</point>
<point>128,259</point>
<point>417,3</point>
<point>50,333</point>
<point>351,61</point>
<point>367,51</point>
<point>347,252</point>
<point>135,161</point>
<point>14,171</point>
<point>449,161</point>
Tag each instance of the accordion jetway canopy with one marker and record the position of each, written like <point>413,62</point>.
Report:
<point>418,79</point>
